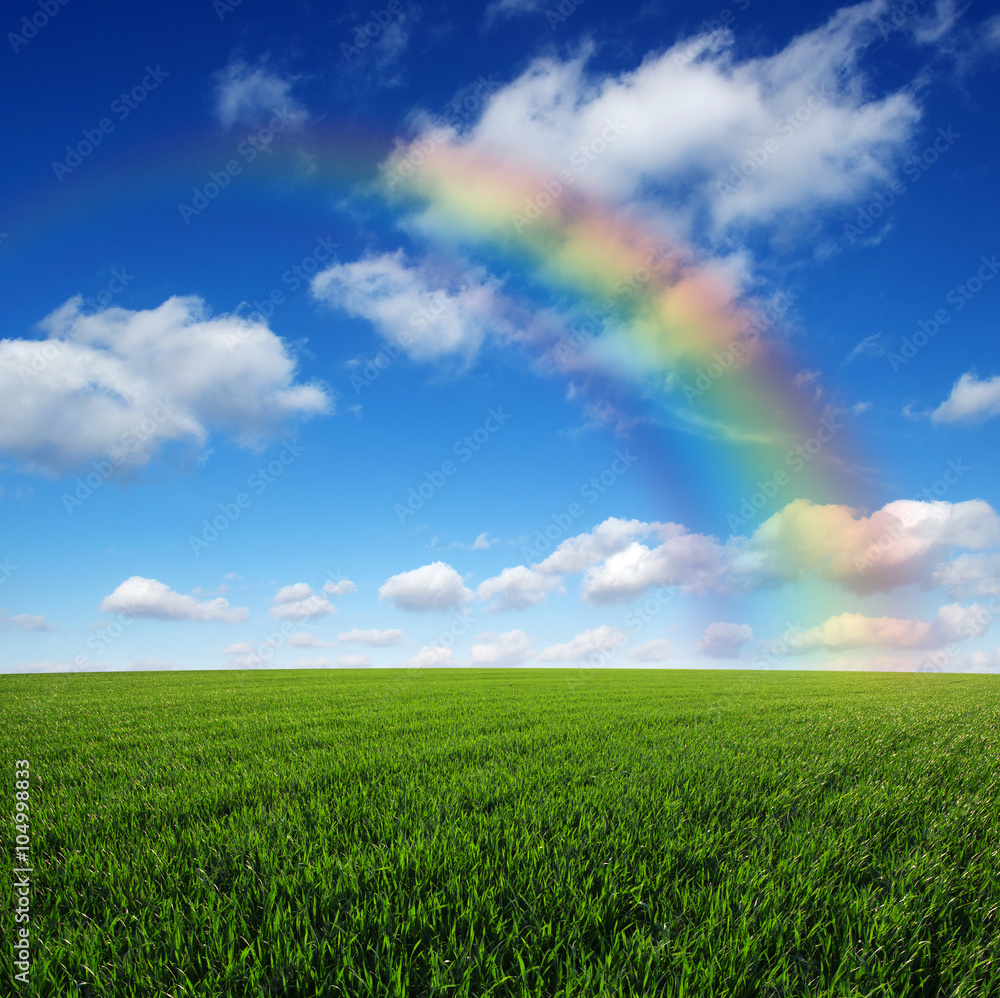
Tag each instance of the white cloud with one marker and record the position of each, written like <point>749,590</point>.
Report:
<point>689,117</point>
<point>341,588</point>
<point>591,642</point>
<point>24,622</point>
<point>900,544</point>
<point>427,313</point>
<point>695,562</point>
<point>141,597</point>
<point>483,542</point>
<point>583,551</point>
<point>432,587</point>
<point>302,639</point>
<point>970,575</point>
<point>378,639</point>
<point>971,400</point>
<point>430,657</point>
<point>509,648</point>
<point>855,630</point>
<point>657,650</point>
<point>293,593</point>
<point>314,607</point>
<point>117,386</point>
<point>723,640</point>
<point>517,588</point>
<point>249,95</point>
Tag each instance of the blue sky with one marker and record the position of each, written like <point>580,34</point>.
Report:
<point>265,403</point>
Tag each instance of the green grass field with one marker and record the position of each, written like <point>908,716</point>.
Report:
<point>508,832</point>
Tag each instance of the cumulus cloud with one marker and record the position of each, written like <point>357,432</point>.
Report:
<point>341,588</point>
<point>432,587</point>
<point>855,630</point>
<point>969,575</point>
<point>24,622</point>
<point>117,386</point>
<point>898,545</point>
<point>377,639</point>
<point>686,118</point>
<point>517,588</point>
<point>299,602</point>
<point>583,551</point>
<point>249,95</point>
<point>657,650</point>
<point>293,593</point>
<point>425,312</point>
<point>724,640</point>
<point>430,657</point>
<point>509,648</point>
<point>970,401</point>
<point>141,597</point>
<point>596,640</point>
